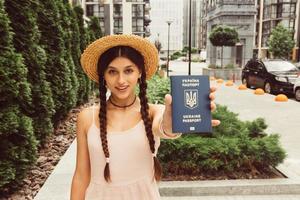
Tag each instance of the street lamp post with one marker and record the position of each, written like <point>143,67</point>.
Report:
<point>169,23</point>
<point>190,35</point>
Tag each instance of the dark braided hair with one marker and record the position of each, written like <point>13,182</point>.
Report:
<point>105,59</point>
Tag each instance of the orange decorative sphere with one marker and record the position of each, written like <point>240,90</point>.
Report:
<point>259,91</point>
<point>220,81</point>
<point>242,87</point>
<point>281,98</point>
<point>229,83</point>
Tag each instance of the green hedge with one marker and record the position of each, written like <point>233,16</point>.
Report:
<point>41,78</point>
<point>17,141</point>
<point>234,145</point>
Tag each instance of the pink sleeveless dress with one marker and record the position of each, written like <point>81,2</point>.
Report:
<point>131,165</point>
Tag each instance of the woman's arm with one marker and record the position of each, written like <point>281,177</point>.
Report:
<point>162,122</point>
<point>81,176</point>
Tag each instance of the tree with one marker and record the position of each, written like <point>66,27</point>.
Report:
<point>57,71</point>
<point>76,52</point>
<point>65,23</point>
<point>223,36</point>
<point>18,146</point>
<point>94,28</point>
<point>84,40</point>
<point>281,42</point>
<point>83,34</point>
<point>26,41</point>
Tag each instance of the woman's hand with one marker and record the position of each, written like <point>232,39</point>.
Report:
<point>167,116</point>
<point>213,106</point>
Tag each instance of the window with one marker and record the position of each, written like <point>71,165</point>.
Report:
<point>117,10</point>
<point>89,10</point>
<point>137,10</point>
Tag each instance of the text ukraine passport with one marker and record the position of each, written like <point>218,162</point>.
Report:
<point>190,104</point>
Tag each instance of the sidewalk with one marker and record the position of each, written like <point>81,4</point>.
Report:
<point>282,118</point>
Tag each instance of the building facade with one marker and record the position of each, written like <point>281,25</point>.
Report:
<point>274,12</point>
<point>195,22</point>
<point>120,16</point>
<point>161,12</point>
<point>203,25</point>
<point>237,14</point>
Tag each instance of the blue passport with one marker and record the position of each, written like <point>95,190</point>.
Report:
<point>191,111</point>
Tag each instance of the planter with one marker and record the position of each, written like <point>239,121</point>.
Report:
<point>227,74</point>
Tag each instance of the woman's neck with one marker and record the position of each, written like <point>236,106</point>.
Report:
<point>122,103</point>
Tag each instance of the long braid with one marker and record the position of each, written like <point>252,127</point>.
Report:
<point>103,128</point>
<point>148,125</point>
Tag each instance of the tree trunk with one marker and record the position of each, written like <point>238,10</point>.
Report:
<point>222,57</point>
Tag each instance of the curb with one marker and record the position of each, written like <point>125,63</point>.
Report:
<point>230,187</point>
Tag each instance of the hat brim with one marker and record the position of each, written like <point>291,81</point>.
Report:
<point>89,58</point>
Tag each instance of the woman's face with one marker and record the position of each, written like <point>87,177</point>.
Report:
<point>121,77</point>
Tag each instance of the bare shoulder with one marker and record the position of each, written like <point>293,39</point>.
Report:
<point>84,118</point>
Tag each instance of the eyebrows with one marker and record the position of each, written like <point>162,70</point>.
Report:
<point>116,68</point>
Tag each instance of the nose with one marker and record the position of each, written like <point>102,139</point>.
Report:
<point>121,79</point>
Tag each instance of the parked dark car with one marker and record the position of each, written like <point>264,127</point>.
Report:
<point>274,76</point>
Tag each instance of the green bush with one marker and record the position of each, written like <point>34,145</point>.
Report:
<point>177,53</point>
<point>229,66</point>
<point>157,88</point>
<point>18,146</point>
<point>213,66</point>
<point>234,145</point>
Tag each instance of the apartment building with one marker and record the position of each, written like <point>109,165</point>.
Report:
<point>285,12</point>
<point>120,16</point>
<point>238,14</point>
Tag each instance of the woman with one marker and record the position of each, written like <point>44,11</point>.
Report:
<point>117,141</point>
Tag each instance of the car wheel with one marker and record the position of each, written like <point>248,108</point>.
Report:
<point>268,88</point>
<point>297,94</point>
<point>245,82</point>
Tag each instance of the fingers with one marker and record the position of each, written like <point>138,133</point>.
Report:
<point>215,122</point>
<point>213,89</point>
<point>213,106</point>
<point>212,96</point>
<point>168,102</point>
<point>168,99</point>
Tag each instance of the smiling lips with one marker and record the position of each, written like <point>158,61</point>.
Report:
<point>122,89</point>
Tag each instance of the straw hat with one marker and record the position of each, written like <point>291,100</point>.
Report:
<point>89,58</point>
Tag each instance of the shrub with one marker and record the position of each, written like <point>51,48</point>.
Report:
<point>229,66</point>
<point>233,146</point>
<point>157,88</point>
<point>213,66</point>
<point>17,145</point>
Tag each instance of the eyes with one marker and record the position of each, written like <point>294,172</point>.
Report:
<point>114,72</point>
